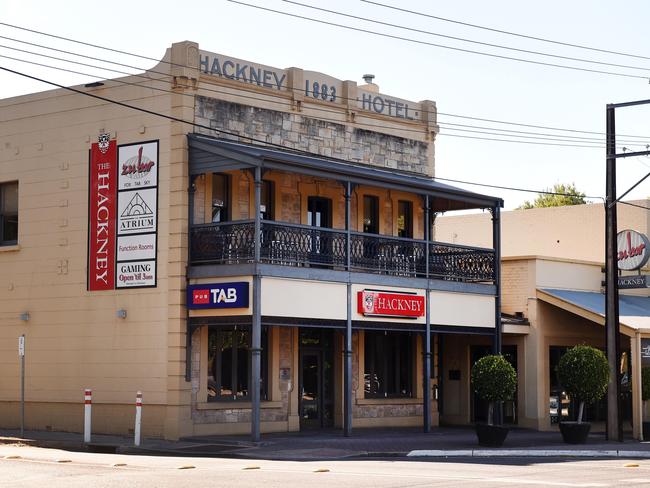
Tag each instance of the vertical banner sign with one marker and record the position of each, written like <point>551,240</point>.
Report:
<point>137,215</point>
<point>102,215</point>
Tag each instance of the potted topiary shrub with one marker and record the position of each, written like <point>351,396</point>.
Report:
<point>583,373</point>
<point>645,396</point>
<point>494,380</point>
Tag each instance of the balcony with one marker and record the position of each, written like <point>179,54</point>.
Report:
<point>307,246</point>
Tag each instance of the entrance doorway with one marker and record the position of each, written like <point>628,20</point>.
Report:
<point>316,378</point>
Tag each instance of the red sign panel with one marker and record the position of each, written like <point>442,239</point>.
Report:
<point>380,303</point>
<point>101,218</point>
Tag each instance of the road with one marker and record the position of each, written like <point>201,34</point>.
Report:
<point>51,468</point>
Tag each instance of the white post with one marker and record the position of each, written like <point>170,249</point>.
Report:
<point>87,414</point>
<point>138,417</point>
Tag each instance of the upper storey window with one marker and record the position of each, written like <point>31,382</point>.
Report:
<point>9,213</point>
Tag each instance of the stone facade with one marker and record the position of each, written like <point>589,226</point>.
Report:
<point>297,131</point>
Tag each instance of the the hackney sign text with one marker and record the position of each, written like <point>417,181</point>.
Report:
<point>102,193</point>
<point>380,303</point>
<point>218,295</point>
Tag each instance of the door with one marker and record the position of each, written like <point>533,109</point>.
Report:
<point>319,216</point>
<point>316,377</point>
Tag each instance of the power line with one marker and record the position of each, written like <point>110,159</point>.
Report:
<point>500,31</point>
<point>194,124</point>
<point>501,187</point>
<point>147,79</point>
<point>442,46</point>
<point>463,39</point>
<point>283,86</point>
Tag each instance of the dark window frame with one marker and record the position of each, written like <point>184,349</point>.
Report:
<point>371,224</point>
<point>216,367</point>
<point>6,215</point>
<point>268,186</point>
<point>226,207</point>
<point>383,352</point>
<point>408,219</point>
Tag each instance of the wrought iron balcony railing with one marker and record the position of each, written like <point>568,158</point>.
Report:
<point>301,245</point>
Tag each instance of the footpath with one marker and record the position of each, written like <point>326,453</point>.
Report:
<point>442,442</point>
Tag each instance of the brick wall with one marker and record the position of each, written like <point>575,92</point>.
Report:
<point>330,139</point>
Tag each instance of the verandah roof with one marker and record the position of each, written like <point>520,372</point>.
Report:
<point>213,154</point>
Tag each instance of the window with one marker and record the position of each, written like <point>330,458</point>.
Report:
<point>229,363</point>
<point>388,364</point>
<point>370,214</point>
<point>266,201</point>
<point>9,213</point>
<point>404,219</point>
<point>220,197</point>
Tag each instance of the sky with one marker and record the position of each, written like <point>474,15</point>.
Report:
<point>462,84</point>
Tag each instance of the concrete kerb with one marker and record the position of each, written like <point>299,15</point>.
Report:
<point>577,453</point>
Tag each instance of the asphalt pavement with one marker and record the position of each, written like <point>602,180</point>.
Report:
<point>442,442</point>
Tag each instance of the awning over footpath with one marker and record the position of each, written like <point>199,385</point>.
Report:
<point>634,311</point>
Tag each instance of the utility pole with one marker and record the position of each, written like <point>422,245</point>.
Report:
<point>612,325</point>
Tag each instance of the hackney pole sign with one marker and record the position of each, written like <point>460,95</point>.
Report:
<point>633,252</point>
<point>123,214</point>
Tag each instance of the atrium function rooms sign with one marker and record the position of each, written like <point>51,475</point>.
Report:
<point>137,214</point>
<point>314,85</point>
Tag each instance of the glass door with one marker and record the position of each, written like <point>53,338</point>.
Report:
<point>316,379</point>
<point>319,215</point>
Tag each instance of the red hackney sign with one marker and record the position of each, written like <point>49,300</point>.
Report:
<point>384,303</point>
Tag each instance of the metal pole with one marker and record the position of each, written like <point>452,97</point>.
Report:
<point>612,336</point>
<point>426,370</point>
<point>496,244</point>
<point>256,335</point>
<point>138,418</point>
<point>87,414</point>
<point>21,352</point>
<point>347,347</point>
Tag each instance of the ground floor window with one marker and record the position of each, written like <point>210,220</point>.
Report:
<point>388,368</point>
<point>229,359</point>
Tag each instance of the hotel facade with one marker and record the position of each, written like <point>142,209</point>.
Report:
<point>250,247</point>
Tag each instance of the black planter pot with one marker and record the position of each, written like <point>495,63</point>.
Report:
<point>574,432</point>
<point>491,435</point>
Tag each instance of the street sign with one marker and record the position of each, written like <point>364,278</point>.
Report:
<point>21,346</point>
<point>634,281</point>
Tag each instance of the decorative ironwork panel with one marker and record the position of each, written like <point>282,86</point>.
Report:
<point>225,243</point>
<point>301,245</point>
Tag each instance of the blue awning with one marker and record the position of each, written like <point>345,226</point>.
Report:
<point>634,311</point>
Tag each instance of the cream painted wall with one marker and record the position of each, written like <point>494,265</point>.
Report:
<point>571,232</point>
<point>300,298</point>
<point>461,309</point>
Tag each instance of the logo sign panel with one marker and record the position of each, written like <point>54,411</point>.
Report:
<point>379,303</point>
<point>137,211</point>
<point>136,247</point>
<point>138,166</point>
<point>136,274</point>
<point>218,295</point>
<point>102,196</point>
<point>633,250</point>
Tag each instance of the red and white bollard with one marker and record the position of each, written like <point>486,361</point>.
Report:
<point>88,395</point>
<point>138,417</point>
